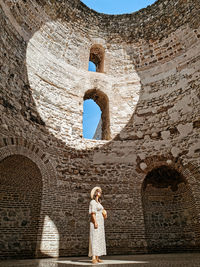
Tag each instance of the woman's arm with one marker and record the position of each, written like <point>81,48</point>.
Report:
<point>93,217</point>
<point>104,212</point>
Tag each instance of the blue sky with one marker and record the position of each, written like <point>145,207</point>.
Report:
<point>91,111</point>
<point>91,118</point>
<point>117,6</point>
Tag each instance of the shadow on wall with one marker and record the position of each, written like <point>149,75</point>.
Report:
<point>57,231</point>
<point>169,210</point>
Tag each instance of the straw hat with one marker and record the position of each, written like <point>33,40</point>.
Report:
<point>94,190</point>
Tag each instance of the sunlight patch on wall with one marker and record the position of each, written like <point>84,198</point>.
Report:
<point>50,238</point>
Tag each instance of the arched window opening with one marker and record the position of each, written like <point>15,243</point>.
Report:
<point>103,128</point>
<point>92,66</point>
<point>169,211</point>
<point>97,57</point>
<point>91,118</point>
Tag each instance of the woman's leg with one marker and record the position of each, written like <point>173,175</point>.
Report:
<point>94,259</point>
<point>97,257</point>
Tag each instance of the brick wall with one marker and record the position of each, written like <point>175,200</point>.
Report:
<point>21,194</point>
<point>171,219</point>
<point>151,79</point>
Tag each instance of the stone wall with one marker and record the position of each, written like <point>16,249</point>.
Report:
<point>169,211</point>
<point>151,78</point>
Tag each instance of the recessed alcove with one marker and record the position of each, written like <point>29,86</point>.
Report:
<point>20,205</point>
<point>169,211</point>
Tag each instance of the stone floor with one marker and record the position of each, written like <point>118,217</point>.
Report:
<point>161,260</point>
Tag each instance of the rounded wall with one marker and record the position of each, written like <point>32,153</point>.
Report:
<point>151,80</point>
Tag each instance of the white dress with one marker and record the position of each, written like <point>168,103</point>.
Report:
<point>97,242</point>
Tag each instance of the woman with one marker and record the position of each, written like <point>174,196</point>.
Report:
<point>97,243</point>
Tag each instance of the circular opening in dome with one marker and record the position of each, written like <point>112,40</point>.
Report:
<point>117,7</point>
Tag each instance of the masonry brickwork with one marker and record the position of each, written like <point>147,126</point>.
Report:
<point>151,79</point>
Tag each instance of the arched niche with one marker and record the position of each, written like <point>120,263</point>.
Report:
<point>102,101</point>
<point>97,54</point>
<point>20,206</point>
<point>170,216</point>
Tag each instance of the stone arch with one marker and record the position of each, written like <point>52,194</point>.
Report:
<point>190,171</point>
<point>21,195</point>
<point>97,54</point>
<point>170,214</point>
<point>103,102</point>
<point>12,146</point>
<point>19,148</point>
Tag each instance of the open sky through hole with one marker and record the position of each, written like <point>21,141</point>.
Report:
<point>91,117</point>
<point>117,6</point>
<point>91,111</point>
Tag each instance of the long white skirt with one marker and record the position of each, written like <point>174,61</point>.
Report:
<point>97,242</point>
